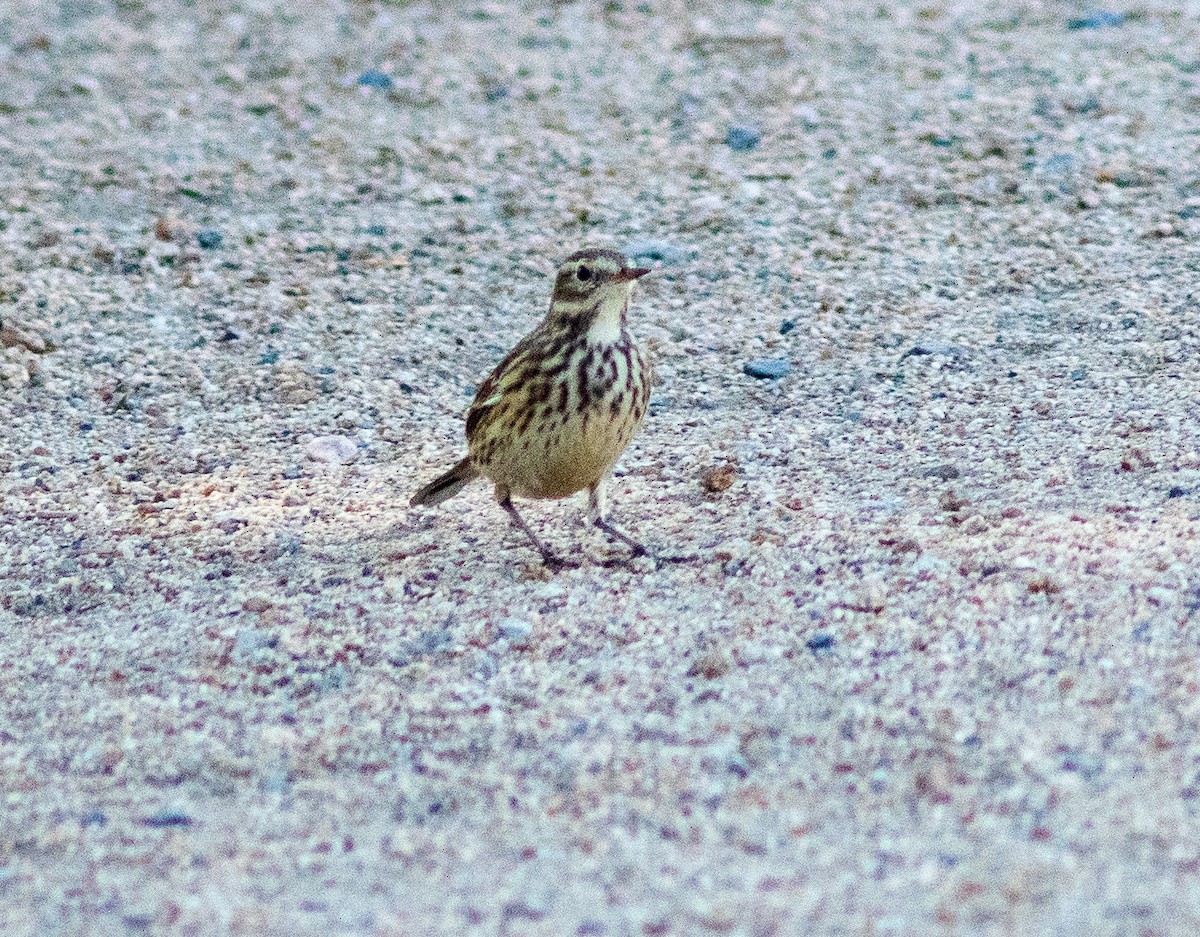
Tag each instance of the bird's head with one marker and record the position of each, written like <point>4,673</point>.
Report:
<point>594,282</point>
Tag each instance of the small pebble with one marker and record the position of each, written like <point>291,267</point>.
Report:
<point>742,138</point>
<point>375,79</point>
<point>821,641</point>
<point>710,666</point>
<point>662,251</point>
<point>767,368</point>
<point>944,472</point>
<point>718,478</point>
<point>167,818</point>
<point>787,325</point>
<point>333,450</point>
<point>515,629</point>
<point>12,336</point>
<point>1058,164</point>
<point>1088,766</point>
<point>209,240</point>
<point>250,641</point>
<point>1097,19</point>
<point>934,346</point>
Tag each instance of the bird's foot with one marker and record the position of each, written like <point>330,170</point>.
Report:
<point>658,559</point>
<point>556,563</point>
<point>636,548</point>
<point>687,558</point>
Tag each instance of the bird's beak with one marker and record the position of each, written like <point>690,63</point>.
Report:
<point>631,273</point>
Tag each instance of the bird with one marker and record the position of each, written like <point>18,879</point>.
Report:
<point>556,413</point>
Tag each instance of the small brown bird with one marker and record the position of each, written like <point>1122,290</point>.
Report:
<point>558,411</point>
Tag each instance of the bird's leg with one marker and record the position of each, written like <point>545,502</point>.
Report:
<point>549,557</point>
<point>598,508</point>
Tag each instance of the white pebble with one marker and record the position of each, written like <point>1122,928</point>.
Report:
<point>334,450</point>
<point>515,629</point>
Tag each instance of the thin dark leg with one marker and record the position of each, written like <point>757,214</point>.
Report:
<point>551,559</point>
<point>597,503</point>
<point>639,549</point>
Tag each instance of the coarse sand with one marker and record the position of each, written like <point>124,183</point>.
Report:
<point>935,671</point>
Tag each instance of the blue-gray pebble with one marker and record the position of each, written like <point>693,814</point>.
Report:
<point>767,368</point>
<point>821,641</point>
<point>374,79</point>
<point>743,138</point>
<point>1098,19</point>
<point>653,250</point>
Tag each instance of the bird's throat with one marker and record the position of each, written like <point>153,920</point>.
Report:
<point>609,317</point>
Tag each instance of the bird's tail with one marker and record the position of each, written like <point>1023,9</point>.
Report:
<point>447,485</point>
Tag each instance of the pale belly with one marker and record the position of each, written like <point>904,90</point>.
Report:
<point>565,459</point>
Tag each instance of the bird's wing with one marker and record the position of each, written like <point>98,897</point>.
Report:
<point>505,377</point>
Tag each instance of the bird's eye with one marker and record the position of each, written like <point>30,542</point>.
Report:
<point>584,273</point>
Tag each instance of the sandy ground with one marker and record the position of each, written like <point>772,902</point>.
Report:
<point>936,671</point>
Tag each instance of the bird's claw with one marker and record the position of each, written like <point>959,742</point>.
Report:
<point>688,558</point>
<point>556,564</point>
<point>657,558</point>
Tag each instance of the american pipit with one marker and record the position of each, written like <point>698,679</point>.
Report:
<point>558,411</point>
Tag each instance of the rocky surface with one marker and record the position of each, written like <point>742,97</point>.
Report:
<point>935,670</point>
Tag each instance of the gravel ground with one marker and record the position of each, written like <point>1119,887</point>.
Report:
<point>936,670</point>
